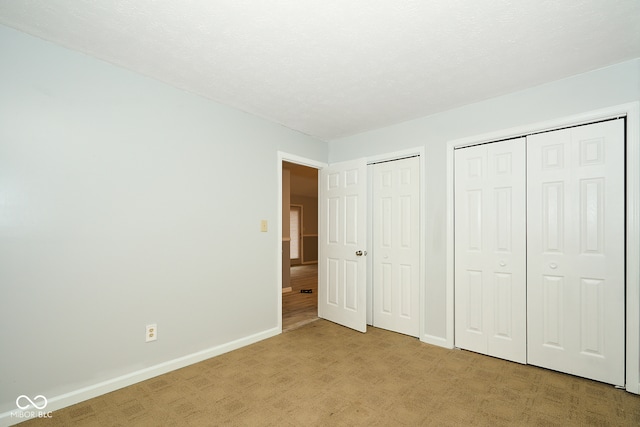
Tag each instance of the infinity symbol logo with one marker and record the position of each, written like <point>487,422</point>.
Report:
<point>31,402</point>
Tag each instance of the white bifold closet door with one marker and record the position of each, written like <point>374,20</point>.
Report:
<point>396,245</point>
<point>576,253</point>
<point>490,252</point>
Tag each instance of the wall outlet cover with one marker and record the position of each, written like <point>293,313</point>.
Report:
<point>151,333</point>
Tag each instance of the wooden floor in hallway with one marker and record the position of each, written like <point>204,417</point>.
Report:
<point>300,308</point>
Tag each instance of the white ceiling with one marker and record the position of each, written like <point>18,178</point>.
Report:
<point>332,68</point>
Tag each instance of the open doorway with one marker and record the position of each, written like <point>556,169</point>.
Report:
<point>299,245</point>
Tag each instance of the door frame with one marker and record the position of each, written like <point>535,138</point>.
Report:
<point>303,161</point>
<point>631,112</point>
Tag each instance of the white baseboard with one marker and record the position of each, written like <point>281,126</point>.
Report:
<point>76,396</point>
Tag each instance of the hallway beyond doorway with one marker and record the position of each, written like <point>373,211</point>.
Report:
<point>300,308</point>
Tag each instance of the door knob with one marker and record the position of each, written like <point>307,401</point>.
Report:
<point>358,253</point>
<point>553,265</point>
<point>503,264</point>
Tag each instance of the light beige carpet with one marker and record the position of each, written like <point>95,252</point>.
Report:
<point>322,374</point>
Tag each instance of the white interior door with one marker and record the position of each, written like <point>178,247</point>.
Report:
<point>342,245</point>
<point>490,251</point>
<point>576,313</point>
<point>396,245</point>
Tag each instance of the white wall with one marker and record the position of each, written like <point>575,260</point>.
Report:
<point>602,88</point>
<point>124,201</point>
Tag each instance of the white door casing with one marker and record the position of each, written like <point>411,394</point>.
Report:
<point>576,250</point>
<point>342,243</point>
<point>396,245</point>
<point>490,257</point>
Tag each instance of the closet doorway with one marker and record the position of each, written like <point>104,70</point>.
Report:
<point>540,270</point>
<point>370,268</point>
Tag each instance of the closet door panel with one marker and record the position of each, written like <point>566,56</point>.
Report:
<point>575,282</point>
<point>490,292</point>
<point>396,245</point>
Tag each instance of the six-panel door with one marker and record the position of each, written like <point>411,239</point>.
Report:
<point>490,257</point>
<point>341,271</point>
<point>396,245</point>
<point>575,219</point>
<point>575,235</point>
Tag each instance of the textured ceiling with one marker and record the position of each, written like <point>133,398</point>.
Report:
<point>332,68</point>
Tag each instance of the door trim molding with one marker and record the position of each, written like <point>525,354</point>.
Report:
<point>632,113</point>
<point>633,248</point>
<point>291,158</point>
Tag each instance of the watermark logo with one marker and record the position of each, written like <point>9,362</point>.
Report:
<point>24,402</point>
<point>22,398</point>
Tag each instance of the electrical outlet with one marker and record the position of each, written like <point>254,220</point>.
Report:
<point>152,333</point>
